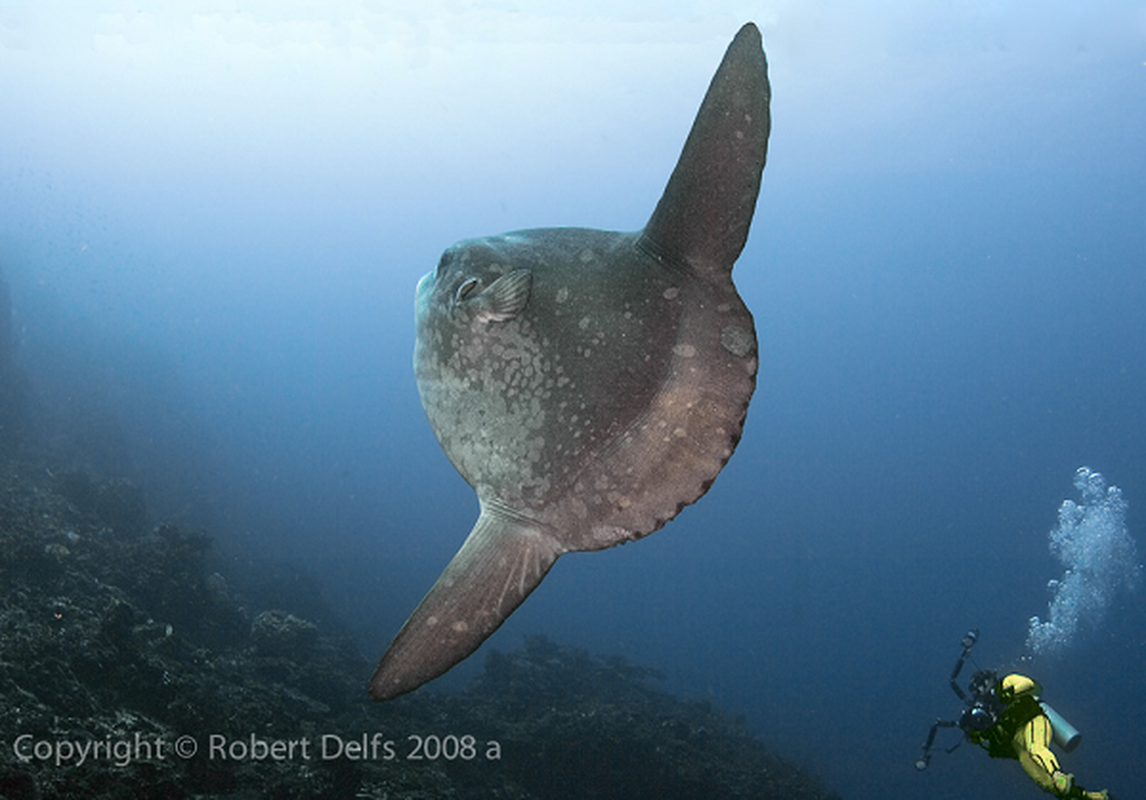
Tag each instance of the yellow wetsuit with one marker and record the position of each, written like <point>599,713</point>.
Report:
<point>1031,746</point>
<point>1030,743</point>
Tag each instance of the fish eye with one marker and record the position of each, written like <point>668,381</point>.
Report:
<point>466,289</point>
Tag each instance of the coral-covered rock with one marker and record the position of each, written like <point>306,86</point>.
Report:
<point>131,645</point>
<point>277,633</point>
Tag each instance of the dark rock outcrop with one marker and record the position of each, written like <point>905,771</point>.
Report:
<point>131,669</point>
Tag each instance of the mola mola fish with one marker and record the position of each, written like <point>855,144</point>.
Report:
<point>588,384</point>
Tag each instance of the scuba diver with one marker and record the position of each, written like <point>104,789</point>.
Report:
<point>1005,717</point>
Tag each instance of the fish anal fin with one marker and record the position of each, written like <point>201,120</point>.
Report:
<point>499,564</point>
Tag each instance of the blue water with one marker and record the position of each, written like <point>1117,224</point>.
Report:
<point>213,223</point>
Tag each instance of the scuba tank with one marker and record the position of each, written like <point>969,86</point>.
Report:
<point>1066,735</point>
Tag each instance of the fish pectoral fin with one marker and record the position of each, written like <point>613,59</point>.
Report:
<point>499,564</point>
<point>505,298</point>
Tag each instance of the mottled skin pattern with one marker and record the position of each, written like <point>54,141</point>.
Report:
<point>588,384</point>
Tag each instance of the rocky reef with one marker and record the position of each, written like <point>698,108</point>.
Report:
<point>132,668</point>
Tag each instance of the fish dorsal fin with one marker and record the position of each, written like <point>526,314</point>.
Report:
<point>702,219</point>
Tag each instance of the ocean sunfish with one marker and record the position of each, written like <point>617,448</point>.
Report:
<point>588,384</point>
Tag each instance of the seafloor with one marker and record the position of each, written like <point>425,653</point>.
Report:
<point>122,650</point>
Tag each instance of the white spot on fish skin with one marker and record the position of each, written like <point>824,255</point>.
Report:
<point>431,622</point>
<point>671,293</point>
<point>684,350</point>
<point>583,323</point>
<point>736,340</point>
<point>562,294</point>
<point>461,626</point>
